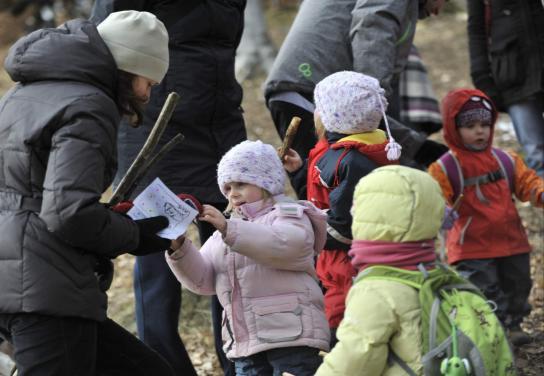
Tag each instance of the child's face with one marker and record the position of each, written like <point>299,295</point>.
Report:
<point>319,127</point>
<point>239,193</point>
<point>475,135</point>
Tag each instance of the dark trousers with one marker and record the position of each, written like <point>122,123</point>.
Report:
<point>394,100</point>
<point>299,361</point>
<point>157,295</point>
<point>506,281</point>
<point>158,302</point>
<point>60,346</point>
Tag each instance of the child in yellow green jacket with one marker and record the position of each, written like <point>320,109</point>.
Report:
<point>389,318</point>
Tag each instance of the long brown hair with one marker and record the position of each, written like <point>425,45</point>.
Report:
<point>129,105</point>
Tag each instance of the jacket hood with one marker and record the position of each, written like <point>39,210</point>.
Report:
<point>72,52</point>
<point>451,104</point>
<point>397,204</point>
<point>371,144</point>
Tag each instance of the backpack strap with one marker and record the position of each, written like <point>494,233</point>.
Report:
<point>392,357</point>
<point>451,167</point>
<point>433,321</point>
<point>507,165</point>
<point>344,153</point>
<point>505,171</point>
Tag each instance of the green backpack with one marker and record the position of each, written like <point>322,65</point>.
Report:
<point>461,334</point>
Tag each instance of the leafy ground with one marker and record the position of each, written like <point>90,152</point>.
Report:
<point>443,44</point>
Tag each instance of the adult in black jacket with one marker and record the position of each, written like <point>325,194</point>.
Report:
<point>204,35</point>
<point>506,41</point>
<point>58,133</point>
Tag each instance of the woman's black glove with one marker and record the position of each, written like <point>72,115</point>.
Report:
<point>429,152</point>
<point>150,242</point>
<point>104,272</point>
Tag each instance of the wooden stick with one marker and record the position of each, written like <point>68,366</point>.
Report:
<point>161,153</point>
<point>289,137</point>
<point>134,172</point>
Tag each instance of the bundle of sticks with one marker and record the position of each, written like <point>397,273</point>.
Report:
<point>143,162</point>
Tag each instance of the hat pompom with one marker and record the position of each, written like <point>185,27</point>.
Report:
<point>393,150</point>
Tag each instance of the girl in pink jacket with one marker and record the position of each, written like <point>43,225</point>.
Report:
<point>260,263</point>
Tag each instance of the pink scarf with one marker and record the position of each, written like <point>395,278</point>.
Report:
<point>407,255</point>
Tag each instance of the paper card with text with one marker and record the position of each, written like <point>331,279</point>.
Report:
<point>157,199</point>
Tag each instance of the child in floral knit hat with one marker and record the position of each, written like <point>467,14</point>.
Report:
<point>260,263</point>
<point>349,109</point>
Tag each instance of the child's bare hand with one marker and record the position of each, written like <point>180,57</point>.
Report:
<point>213,216</point>
<point>292,161</point>
<point>177,243</point>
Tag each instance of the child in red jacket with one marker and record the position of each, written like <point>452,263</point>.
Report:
<point>487,244</point>
<point>349,108</point>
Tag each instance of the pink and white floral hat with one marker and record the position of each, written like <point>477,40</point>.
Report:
<point>252,162</point>
<point>350,102</point>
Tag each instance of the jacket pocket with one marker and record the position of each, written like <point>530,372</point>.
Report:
<point>506,63</point>
<point>277,318</point>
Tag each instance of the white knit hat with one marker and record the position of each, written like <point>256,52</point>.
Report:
<point>138,42</point>
<point>350,102</point>
<point>252,162</point>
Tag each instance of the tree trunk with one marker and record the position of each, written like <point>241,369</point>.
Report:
<point>255,50</point>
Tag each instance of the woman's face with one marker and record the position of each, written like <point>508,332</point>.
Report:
<point>142,88</point>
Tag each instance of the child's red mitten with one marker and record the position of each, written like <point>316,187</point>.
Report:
<point>192,201</point>
<point>123,207</point>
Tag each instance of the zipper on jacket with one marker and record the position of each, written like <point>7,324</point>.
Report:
<point>227,324</point>
<point>464,230</point>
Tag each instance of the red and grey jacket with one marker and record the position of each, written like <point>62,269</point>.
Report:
<point>489,225</point>
<point>335,166</point>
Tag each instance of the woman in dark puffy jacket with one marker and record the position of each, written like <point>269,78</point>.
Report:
<point>58,134</point>
<point>506,40</point>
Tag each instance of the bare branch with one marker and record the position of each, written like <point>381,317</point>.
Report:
<point>134,172</point>
<point>157,157</point>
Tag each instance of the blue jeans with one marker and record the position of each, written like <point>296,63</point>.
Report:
<point>157,294</point>
<point>528,120</point>
<point>299,361</point>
